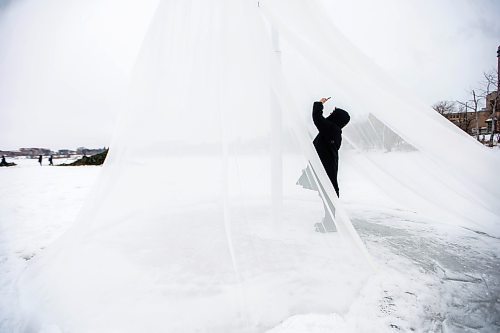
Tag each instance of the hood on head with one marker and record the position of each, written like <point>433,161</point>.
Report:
<point>339,117</point>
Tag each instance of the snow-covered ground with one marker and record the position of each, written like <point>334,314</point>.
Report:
<point>431,276</point>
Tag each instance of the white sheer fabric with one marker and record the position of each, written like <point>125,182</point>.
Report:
<point>181,233</point>
<point>455,175</point>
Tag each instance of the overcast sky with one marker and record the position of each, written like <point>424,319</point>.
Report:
<point>64,63</point>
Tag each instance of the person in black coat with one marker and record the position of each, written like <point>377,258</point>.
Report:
<point>329,138</point>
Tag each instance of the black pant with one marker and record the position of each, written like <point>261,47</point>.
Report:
<point>329,157</point>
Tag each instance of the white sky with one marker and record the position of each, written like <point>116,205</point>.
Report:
<point>64,63</point>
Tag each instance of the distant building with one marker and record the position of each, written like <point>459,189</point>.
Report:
<point>66,152</point>
<point>490,102</point>
<point>34,152</point>
<point>9,153</point>
<point>467,120</point>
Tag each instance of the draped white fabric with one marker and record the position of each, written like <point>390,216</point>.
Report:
<point>456,176</point>
<point>181,233</point>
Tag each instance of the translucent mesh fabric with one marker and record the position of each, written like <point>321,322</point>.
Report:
<point>435,168</point>
<point>197,222</point>
<point>188,229</point>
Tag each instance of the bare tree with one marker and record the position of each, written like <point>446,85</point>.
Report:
<point>460,117</point>
<point>489,82</point>
<point>463,121</point>
<point>473,106</point>
<point>475,103</point>
<point>444,107</point>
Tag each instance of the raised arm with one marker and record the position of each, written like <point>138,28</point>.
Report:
<point>327,129</point>
<point>321,123</point>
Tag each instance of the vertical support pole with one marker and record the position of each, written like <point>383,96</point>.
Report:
<point>276,137</point>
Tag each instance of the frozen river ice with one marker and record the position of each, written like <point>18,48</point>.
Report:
<point>431,277</point>
<point>453,274</point>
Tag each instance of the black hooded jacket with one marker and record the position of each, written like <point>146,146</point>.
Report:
<point>330,128</point>
<point>329,139</point>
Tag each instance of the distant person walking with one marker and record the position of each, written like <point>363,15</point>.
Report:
<point>329,138</point>
<point>51,159</point>
<point>40,159</point>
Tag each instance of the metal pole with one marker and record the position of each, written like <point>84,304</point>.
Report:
<point>276,136</point>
